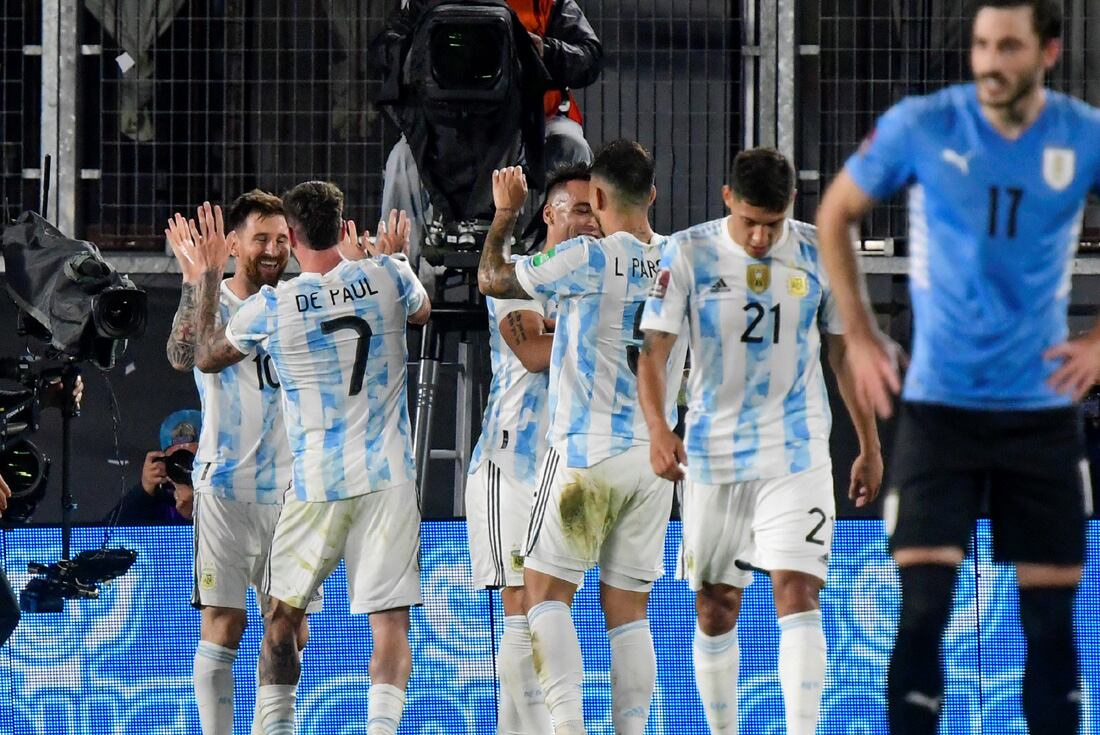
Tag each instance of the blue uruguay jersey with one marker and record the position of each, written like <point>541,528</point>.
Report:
<point>513,431</point>
<point>993,228</point>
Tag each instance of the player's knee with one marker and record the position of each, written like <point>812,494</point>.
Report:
<point>795,592</point>
<point>716,607</point>
<point>224,626</point>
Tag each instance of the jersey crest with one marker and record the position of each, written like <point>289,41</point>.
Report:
<point>1058,167</point>
<point>759,277</point>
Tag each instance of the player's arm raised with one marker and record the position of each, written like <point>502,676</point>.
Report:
<point>495,275</point>
<point>666,450</point>
<point>181,340</point>
<point>866,477</point>
<point>872,366</point>
<point>524,331</point>
<point>213,352</point>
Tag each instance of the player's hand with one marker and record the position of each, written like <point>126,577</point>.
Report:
<point>666,455</point>
<point>873,361</point>
<point>212,251</point>
<point>351,246</point>
<point>866,478</point>
<point>540,45</point>
<point>509,188</point>
<point>1080,368</point>
<point>5,493</point>
<point>153,474</point>
<point>392,236</point>
<point>183,247</point>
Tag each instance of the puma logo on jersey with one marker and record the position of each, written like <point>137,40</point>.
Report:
<point>719,286</point>
<point>958,160</point>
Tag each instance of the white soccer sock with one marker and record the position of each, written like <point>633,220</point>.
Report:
<point>385,703</point>
<point>213,677</point>
<point>633,676</point>
<point>557,660</point>
<point>523,704</point>
<point>717,665</point>
<point>275,708</point>
<point>802,669</point>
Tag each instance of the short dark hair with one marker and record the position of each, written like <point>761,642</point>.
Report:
<point>1046,15</point>
<point>252,202</point>
<point>562,175</point>
<point>764,178</point>
<point>628,167</point>
<point>316,208</point>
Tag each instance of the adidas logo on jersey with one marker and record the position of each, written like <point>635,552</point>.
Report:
<point>719,286</point>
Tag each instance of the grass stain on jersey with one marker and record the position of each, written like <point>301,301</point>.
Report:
<point>587,513</point>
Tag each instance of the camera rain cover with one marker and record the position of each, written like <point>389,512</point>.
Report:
<point>55,280</point>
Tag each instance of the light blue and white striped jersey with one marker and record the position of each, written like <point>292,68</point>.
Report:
<point>601,286</point>
<point>513,431</point>
<point>338,343</point>
<point>243,453</point>
<point>757,406</point>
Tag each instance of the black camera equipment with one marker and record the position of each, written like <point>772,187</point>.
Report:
<point>77,307</point>
<point>179,465</point>
<point>463,81</point>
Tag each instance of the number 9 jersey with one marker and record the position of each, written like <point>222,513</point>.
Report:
<point>993,229</point>
<point>338,343</point>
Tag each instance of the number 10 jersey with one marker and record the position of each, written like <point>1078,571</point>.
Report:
<point>337,341</point>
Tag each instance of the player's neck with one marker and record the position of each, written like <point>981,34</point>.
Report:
<point>318,261</point>
<point>241,286</point>
<point>634,223</point>
<point>1012,121</point>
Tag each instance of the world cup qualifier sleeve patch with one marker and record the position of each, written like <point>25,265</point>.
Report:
<point>660,284</point>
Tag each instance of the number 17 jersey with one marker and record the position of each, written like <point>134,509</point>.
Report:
<point>338,343</point>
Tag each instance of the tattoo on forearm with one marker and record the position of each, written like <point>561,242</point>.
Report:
<point>212,350</point>
<point>181,341</point>
<point>515,324</point>
<point>495,275</point>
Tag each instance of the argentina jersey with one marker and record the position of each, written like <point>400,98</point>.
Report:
<point>338,342</point>
<point>757,403</point>
<point>601,287</point>
<point>993,229</point>
<point>243,453</point>
<point>513,431</point>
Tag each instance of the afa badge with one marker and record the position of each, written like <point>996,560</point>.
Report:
<point>208,580</point>
<point>798,285</point>
<point>517,561</point>
<point>759,277</point>
<point>1059,166</point>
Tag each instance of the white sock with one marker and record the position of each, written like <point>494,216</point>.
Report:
<point>633,676</point>
<point>385,703</point>
<point>275,708</point>
<point>522,702</point>
<point>213,677</point>
<point>717,665</point>
<point>802,669</point>
<point>557,660</point>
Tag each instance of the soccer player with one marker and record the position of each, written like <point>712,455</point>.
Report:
<point>242,464</point>
<point>598,500</point>
<point>749,291</point>
<point>500,490</point>
<point>336,336</point>
<point>997,173</point>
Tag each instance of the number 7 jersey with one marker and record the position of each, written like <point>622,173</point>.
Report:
<point>338,343</point>
<point>757,405</point>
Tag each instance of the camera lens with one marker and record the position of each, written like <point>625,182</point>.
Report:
<point>179,465</point>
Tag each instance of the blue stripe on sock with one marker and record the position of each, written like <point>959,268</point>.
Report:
<point>626,628</point>
<point>717,643</point>
<point>545,607</point>
<point>810,619</point>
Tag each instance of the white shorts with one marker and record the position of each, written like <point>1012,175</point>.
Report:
<point>780,523</point>
<point>376,534</point>
<point>614,513</point>
<point>498,509</point>
<point>233,551</point>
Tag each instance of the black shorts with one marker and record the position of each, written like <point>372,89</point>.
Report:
<point>1026,469</point>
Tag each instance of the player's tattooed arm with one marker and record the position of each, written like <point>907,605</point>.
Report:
<point>213,352</point>
<point>525,334</point>
<point>495,275</point>
<point>181,340</point>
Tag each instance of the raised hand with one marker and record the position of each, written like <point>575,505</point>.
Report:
<point>183,247</point>
<point>212,249</point>
<point>509,188</point>
<point>392,237</point>
<point>351,246</point>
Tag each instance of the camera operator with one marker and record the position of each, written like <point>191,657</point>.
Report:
<point>165,493</point>
<point>572,54</point>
